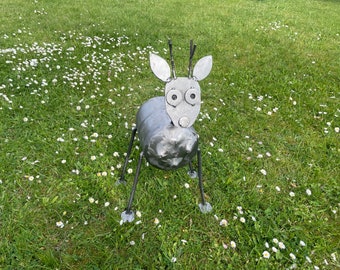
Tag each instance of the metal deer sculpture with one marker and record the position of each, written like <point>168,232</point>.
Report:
<point>164,124</point>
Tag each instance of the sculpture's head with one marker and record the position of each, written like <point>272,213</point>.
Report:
<point>182,94</point>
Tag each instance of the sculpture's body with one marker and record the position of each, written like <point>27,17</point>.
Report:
<point>164,124</point>
<point>165,146</point>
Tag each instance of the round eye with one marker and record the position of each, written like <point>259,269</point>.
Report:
<point>174,97</point>
<point>192,96</point>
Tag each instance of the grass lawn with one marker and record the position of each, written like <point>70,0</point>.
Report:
<point>72,76</point>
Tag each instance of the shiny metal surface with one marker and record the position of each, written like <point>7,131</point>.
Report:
<point>160,67</point>
<point>164,124</point>
<point>182,94</point>
<point>202,68</point>
<point>183,101</point>
<point>165,146</point>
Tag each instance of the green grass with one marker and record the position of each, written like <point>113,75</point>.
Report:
<point>72,75</point>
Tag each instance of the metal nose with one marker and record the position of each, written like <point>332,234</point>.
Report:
<point>184,121</point>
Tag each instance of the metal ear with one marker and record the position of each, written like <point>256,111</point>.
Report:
<point>160,67</point>
<point>202,68</point>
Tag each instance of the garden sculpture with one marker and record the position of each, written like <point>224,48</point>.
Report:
<point>164,124</point>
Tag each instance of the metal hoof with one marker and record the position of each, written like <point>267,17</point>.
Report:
<point>205,208</point>
<point>127,216</point>
<point>192,174</point>
<point>120,181</point>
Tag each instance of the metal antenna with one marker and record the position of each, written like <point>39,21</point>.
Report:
<point>172,59</point>
<point>191,56</point>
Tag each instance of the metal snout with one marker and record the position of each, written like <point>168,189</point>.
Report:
<point>184,122</point>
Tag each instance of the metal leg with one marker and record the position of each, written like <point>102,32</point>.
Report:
<point>204,206</point>
<point>192,173</point>
<point>128,214</point>
<point>121,179</point>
